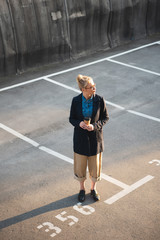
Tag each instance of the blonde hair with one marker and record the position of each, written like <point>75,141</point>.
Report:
<point>83,81</point>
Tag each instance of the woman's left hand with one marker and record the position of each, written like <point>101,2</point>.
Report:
<point>90,127</point>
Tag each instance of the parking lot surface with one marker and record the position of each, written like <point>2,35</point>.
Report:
<point>38,197</point>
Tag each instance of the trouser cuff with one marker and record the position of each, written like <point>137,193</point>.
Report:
<point>95,179</point>
<point>79,179</point>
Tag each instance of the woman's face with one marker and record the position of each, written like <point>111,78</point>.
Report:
<point>90,89</point>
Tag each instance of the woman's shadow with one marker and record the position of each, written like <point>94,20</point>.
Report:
<point>60,204</point>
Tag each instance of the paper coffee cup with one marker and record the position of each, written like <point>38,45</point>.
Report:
<point>87,120</point>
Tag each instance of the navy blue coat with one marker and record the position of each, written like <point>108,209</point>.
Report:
<point>85,142</point>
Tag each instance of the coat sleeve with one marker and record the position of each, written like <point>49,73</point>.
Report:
<point>72,118</point>
<point>104,117</point>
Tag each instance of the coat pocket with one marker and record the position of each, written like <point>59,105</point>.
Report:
<point>99,136</point>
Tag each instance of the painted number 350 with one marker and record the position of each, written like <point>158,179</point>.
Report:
<point>54,230</point>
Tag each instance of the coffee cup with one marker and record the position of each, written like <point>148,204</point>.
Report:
<point>87,120</point>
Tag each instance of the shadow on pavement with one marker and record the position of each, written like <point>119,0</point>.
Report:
<point>63,203</point>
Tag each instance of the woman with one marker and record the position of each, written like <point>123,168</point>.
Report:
<point>88,136</point>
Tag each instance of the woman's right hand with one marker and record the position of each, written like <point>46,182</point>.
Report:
<point>83,125</point>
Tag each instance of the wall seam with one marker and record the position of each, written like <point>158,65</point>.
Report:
<point>68,28</point>
<point>14,35</point>
<point>109,24</point>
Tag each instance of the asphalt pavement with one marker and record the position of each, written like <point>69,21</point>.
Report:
<point>38,193</point>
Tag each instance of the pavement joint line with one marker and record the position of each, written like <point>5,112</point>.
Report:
<point>134,67</point>
<point>81,66</point>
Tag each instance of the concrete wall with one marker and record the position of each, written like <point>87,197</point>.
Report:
<point>37,32</point>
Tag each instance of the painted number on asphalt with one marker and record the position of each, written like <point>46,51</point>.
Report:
<point>155,161</point>
<point>63,219</point>
<point>54,230</point>
<point>50,227</point>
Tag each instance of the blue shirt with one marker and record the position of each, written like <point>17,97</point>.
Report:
<point>87,106</point>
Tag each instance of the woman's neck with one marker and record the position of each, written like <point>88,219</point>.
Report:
<point>86,96</point>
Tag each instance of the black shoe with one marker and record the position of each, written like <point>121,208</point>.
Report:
<point>81,196</point>
<point>95,195</point>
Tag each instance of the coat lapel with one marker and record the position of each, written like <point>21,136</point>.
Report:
<point>95,106</point>
<point>79,100</point>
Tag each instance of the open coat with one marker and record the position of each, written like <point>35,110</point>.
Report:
<point>85,142</point>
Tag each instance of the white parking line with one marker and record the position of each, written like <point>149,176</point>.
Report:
<point>47,78</point>
<point>78,91</point>
<point>126,188</point>
<point>70,160</point>
<point>81,66</point>
<point>56,154</point>
<point>134,67</point>
<point>115,105</point>
<point>134,49</point>
<point>19,135</point>
<point>20,84</point>
<point>129,189</point>
<point>109,103</point>
<point>144,115</point>
<point>62,85</point>
<point>114,181</point>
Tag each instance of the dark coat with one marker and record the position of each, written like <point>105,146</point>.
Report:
<point>85,142</point>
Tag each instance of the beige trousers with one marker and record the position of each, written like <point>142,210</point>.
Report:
<point>94,167</point>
